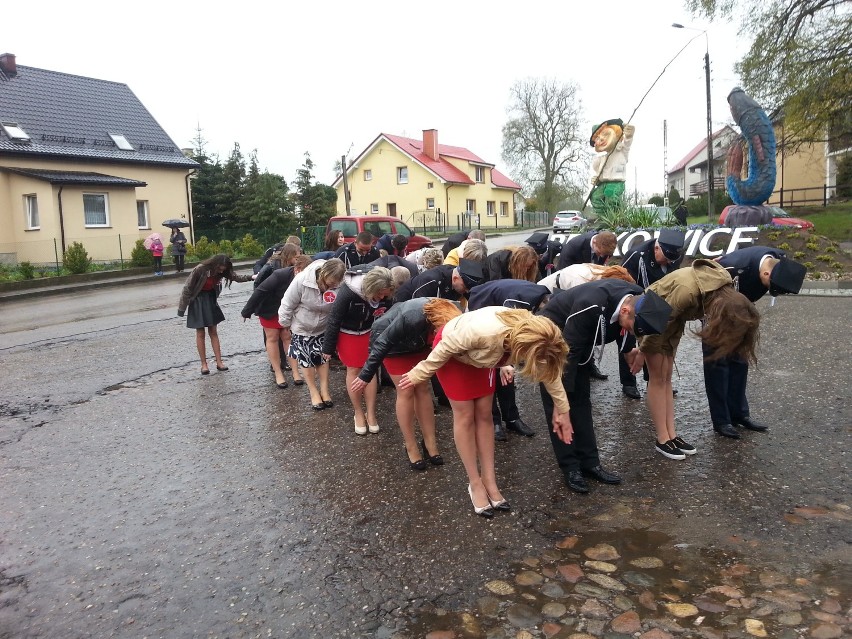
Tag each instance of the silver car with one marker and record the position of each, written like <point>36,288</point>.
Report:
<point>568,221</point>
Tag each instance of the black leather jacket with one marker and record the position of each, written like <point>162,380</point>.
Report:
<point>350,313</point>
<point>403,329</point>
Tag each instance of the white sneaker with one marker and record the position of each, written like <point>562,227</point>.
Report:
<point>374,429</point>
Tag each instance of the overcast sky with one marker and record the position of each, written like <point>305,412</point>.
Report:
<point>327,77</point>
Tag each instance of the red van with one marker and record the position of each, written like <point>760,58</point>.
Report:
<point>377,225</point>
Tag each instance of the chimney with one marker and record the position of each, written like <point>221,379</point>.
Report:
<point>7,64</point>
<point>430,143</point>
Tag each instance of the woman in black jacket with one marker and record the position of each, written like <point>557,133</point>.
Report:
<point>264,303</point>
<point>360,300</point>
<point>516,262</point>
<point>401,338</point>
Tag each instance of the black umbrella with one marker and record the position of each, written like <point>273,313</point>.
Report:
<point>175,223</point>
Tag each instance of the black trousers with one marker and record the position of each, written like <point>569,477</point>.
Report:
<point>624,375</point>
<point>179,259</point>
<point>725,383</point>
<point>582,452</point>
<point>503,406</point>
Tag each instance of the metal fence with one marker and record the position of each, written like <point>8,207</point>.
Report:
<point>432,221</point>
<point>819,195</point>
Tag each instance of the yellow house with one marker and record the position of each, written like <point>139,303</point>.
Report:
<point>82,160</point>
<point>421,182</point>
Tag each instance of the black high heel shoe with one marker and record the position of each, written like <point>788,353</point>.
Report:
<point>435,460</point>
<point>486,512</point>
<point>498,505</point>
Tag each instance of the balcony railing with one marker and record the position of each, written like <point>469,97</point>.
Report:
<point>700,188</point>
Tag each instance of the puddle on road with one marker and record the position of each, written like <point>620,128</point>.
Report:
<point>617,584</point>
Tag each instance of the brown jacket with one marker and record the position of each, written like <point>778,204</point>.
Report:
<point>195,282</point>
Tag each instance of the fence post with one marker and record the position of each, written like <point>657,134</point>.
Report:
<point>824,195</point>
<point>120,252</point>
<point>56,256</point>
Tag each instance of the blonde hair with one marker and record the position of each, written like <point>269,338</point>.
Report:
<point>432,257</point>
<point>377,279</point>
<point>300,262</point>
<point>476,234</point>
<point>439,311</point>
<point>294,239</point>
<point>474,250</point>
<point>331,270</point>
<point>535,345</point>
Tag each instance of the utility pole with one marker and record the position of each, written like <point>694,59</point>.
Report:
<point>711,177</point>
<point>345,183</point>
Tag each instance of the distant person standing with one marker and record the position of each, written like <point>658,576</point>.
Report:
<point>178,242</point>
<point>157,251</point>
<point>681,213</point>
<point>361,251</point>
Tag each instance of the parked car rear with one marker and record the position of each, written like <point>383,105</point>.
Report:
<point>376,225</point>
<point>568,221</point>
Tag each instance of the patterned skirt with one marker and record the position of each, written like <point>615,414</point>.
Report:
<point>307,350</point>
<point>204,311</point>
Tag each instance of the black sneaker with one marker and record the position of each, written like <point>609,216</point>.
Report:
<point>682,446</point>
<point>670,450</point>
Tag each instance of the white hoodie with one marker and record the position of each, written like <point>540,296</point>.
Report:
<point>304,309</point>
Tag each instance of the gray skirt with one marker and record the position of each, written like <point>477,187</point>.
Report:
<point>204,311</point>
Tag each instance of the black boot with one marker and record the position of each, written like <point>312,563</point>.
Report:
<point>596,373</point>
<point>518,426</point>
<point>500,432</point>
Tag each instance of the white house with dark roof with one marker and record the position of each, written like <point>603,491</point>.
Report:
<point>415,179</point>
<point>82,160</point>
<point>689,175</point>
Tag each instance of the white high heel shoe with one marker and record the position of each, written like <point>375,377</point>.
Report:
<point>486,512</point>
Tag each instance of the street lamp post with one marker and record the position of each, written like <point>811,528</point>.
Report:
<point>710,170</point>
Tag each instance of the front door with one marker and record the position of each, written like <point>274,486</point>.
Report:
<point>392,209</point>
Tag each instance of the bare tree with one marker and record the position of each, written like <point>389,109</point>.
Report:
<point>542,142</point>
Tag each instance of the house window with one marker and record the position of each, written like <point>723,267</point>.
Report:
<point>368,175</point>
<point>142,214</point>
<point>480,173</point>
<point>95,209</point>
<point>430,185</point>
<point>374,208</point>
<point>504,209</point>
<point>31,210</point>
<point>15,132</point>
<point>430,203</point>
<point>470,206</point>
<point>402,175</point>
<point>121,142</point>
<point>490,209</point>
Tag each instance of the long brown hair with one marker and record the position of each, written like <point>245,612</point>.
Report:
<point>439,311</point>
<point>523,264</point>
<point>730,325</point>
<point>535,345</point>
<point>611,273</point>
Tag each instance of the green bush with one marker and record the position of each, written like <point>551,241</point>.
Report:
<point>27,270</point>
<point>824,258</point>
<point>844,176</point>
<point>809,265</point>
<point>250,247</point>
<point>76,259</point>
<point>784,246</point>
<point>140,256</point>
<point>799,254</point>
<point>226,247</point>
<point>204,248</point>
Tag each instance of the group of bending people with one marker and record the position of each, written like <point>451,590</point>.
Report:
<point>476,320</point>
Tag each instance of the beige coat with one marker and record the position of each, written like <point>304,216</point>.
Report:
<point>476,338</point>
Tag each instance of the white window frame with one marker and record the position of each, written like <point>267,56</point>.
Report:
<point>490,208</point>
<point>105,197</point>
<point>430,203</point>
<point>31,212</point>
<point>15,131</point>
<point>504,209</point>
<point>368,175</point>
<point>374,208</point>
<point>121,142</point>
<point>402,175</point>
<point>470,206</point>
<point>145,212</point>
<point>480,174</point>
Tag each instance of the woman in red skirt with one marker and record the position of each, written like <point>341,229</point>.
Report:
<point>402,338</point>
<point>466,352</point>
<point>361,299</point>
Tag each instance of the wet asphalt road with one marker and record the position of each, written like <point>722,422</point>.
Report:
<point>141,499</point>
